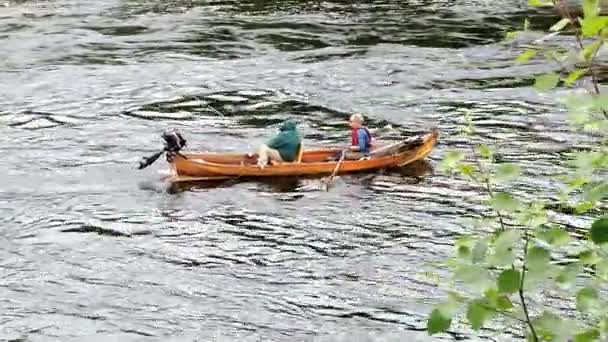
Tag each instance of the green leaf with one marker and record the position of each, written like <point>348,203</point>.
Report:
<point>437,322</point>
<point>507,171</point>
<point>498,301</point>
<point>555,55</point>
<point>503,248</point>
<point>591,8</point>
<point>533,215</point>
<point>475,277</point>
<point>578,118</point>
<point>588,161</point>
<point>587,335</point>
<point>504,201</point>
<point>466,169</point>
<point>506,239</point>
<point>511,35</point>
<point>479,251</point>
<point>588,257</point>
<point>601,102</point>
<point>440,318</point>
<point>508,281</point>
<point>449,307</point>
<point>583,207</point>
<point>598,125</point>
<point>586,299</point>
<point>599,231</point>
<point>604,324</point>
<point>597,193</point>
<point>504,303</point>
<point>560,25</point>
<point>578,102</point>
<point>590,49</point>
<point>551,327</point>
<point>546,82</point>
<point>574,76</point>
<point>555,237</point>
<point>451,160</point>
<point>464,252</point>
<point>477,314</point>
<point>538,3</point>
<point>538,258</point>
<point>591,26</point>
<point>485,151</point>
<point>525,56</point>
<point>568,274</point>
<point>491,297</point>
<point>601,269</point>
<point>535,280</point>
<point>464,240</point>
<point>463,246</point>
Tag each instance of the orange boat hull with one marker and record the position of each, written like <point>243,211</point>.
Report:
<point>202,166</point>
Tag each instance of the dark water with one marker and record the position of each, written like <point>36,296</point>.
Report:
<point>92,249</point>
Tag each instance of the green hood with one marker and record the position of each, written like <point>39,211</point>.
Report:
<point>287,141</point>
<point>288,126</point>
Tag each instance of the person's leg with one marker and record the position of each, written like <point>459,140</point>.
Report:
<point>262,155</point>
<point>266,153</point>
<point>274,155</point>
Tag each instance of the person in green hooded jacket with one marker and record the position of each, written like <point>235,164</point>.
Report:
<point>281,148</point>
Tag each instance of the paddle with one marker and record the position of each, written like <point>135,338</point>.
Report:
<point>333,174</point>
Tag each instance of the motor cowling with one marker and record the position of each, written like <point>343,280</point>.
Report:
<point>174,142</point>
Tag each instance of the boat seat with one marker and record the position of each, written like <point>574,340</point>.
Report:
<point>300,153</point>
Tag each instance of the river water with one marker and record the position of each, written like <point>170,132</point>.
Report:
<point>92,249</point>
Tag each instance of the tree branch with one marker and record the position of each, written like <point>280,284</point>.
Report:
<point>521,291</point>
<point>565,13</point>
<point>487,184</point>
<point>523,270</point>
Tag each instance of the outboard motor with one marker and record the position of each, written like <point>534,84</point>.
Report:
<point>174,142</point>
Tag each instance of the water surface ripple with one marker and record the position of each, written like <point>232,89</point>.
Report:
<point>92,249</point>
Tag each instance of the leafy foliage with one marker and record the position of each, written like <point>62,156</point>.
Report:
<point>599,231</point>
<point>546,81</point>
<point>524,253</point>
<point>438,322</point>
<point>504,201</point>
<point>477,314</point>
<point>506,172</point>
<point>508,281</point>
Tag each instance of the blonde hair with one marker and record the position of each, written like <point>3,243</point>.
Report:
<point>357,117</point>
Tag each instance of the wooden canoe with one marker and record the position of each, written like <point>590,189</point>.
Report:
<point>199,166</point>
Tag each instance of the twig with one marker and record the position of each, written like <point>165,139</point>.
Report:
<point>523,272</point>
<point>521,290</point>
<point>486,181</point>
<point>594,80</point>
<point>593,75</point>
<point>563,7</point>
